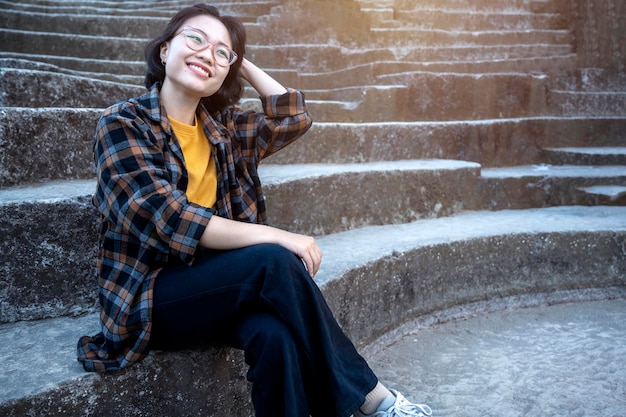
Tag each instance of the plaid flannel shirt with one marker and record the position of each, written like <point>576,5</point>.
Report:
<point>148,223</point>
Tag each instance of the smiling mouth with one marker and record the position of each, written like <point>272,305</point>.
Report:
<point>200,70</point>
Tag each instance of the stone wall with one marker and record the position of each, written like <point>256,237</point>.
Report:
<point>599,28</point>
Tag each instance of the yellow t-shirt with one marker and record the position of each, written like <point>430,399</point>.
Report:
<point>202,187</point>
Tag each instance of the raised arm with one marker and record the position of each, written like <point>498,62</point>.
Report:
<point>261,81</point>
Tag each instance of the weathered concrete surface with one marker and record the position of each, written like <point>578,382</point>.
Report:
<point>418,97</point>
<point>464,259</point>
<point>553,360</point>
<point>375,279</point>
<point>48,251</point>
<point>605,155</point>
<point>49,245</point>
<point>366,194</point>
<point>544,185</point>
<point>27,158</point>
<point>48,144</point>
<point>487,142</point>
<point>37,89</point>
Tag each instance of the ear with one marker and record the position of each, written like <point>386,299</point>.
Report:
<point>163,52</point>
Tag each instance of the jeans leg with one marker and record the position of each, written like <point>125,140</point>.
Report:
<point>193,303</point>
<point>274,361</point>
<point>338,377</point>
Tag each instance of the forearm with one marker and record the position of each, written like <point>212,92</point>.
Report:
<point>262,82</point>
<point>225,234</point>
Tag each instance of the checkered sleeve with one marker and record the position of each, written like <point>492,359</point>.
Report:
<point>137,189</point>
<point>284,119</point>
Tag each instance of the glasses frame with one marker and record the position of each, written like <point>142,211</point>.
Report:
<point>212,45</point>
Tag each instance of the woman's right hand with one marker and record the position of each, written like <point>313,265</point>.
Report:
<point>225,234</point>
<point>306,248</point>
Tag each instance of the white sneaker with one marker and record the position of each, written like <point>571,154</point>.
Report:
<point>401,408</point>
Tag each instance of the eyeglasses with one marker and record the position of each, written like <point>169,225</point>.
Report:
<point>197,40</point>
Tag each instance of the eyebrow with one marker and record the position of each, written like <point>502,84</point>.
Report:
<point>207,37</point>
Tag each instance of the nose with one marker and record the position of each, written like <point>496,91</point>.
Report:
<point>207,54</point>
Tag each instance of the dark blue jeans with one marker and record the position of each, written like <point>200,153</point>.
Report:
<point>261,299</point>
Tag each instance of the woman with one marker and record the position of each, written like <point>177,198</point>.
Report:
<point>186,256</point>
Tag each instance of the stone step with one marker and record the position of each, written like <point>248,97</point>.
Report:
<point>434,96</point>
<point>76,46</point>
<point>585,156</point>
<point>49,245</point>
<point>31,87</point>
<point>326,64</point>
<point>375,279</point>
<point>592,103</point>
<point>606,195</point>
<point>377,74</point>
<point>546,185</point>
<point>461,20</point>
<point>396,72</point>
<point>40,89</point>
<point>28,157</point>
<point>102,24</point>
<point>313,57</point>
<point>46,144</point>
<point>502,5</point>
<point>97,24</point>
<point>244,10</point>
<point>348,196</point>
<point>589,80</point>
<point>347,69</point>
<point>124,72</point>
<point>488,142</point>
<point>409,35</point>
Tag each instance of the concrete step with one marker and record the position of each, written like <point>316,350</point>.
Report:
<point>348,196</point>
<point>397,71</point>
<point>244,10</point>
<point>77,46</point>
<point>589,80</point>
<point>487,142</point>
<point>96,24</point>
<point>319,57</point>
<point>45,87</point>
<point>591,103</point>
<point>27,158</point>
<point>540,64</point>
<point>40,89</point>
<point>607,195</point>
<point>375,279</point>
<point>548,185</point>
<point>312,57</point>
<point>409,35</point>
<point>585,156</point>
<point>435,96</point>
<point>462,20</point>
<point>46,144</point>
<point>470,7</point>
<point>49,245</point>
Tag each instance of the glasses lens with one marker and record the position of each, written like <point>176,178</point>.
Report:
<point>196,41</point>
<point>223,55</point>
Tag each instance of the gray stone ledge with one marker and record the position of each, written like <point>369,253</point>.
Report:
<point>47,255</point>
<point>375,279</point>
<point>25,158</point>
<point>547,185</point>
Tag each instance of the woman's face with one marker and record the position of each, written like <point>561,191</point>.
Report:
<point>196,72</point>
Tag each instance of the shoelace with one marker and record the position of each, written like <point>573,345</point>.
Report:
<point>404,408</point>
